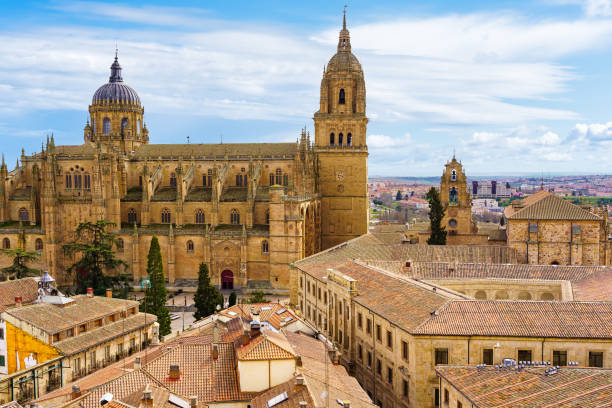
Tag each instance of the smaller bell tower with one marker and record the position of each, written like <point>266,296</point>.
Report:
<point>456,200</point>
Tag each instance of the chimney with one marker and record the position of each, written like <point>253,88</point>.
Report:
<point>137,363</point>
<point>193,401</point>
<point>215,333</point>
<point>246,337</point>
<point>89,292</point>
<point>346,404</point>
<point>299,381</point>
<point>255,323</point>
<point>147,397</point>
<point>215,352</point>
<point>175,372</point>
<point>407,266</point>
<point>17,301</point>
<point>76,392</point>
<point>303,404</point>
<point>109,293</point>
<point>298,361</point>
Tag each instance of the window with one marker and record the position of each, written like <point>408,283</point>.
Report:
<point>140,181</point>
<point>331,139</point>
<point>378,333</point>
<point>133,343</point>
<point>165,216</point>
<point>459,405</point>
<point>6,243</point>
<point>208,179</point>
<point>487,356</point>
<point>56,337</point>
<point>199,217</point>
<point>349,139</point>
<point>340,139</point>
<point>285,180</point>
<point>131,216</point>
<point>24,215</point>
<point>120,245</point>
<point>82,328</point>
<point>264,247</point>
<point>360,352</point>
<point>271,179</point>
<point>595,359</point>
<point>437,397</point>
<point>172,180</point>
<point>76,364</point>
<point>138,127</point>
<point>235,217</point>
<point>119,348</point>
<point>124,124</point>
<point>267,217</point>
<point>446,396</point>
<point>389,340</point>
<point>524,355</point>
<point>107,352</point>
<point>68,180</point>
<point>2,361</point>
<point>404,350</point>
<point>78,181</point>
<point>239,179</point>
<point>301,282</point>
<point>70,332</point>
<point>369,359</point>
<point>533,227</point>
<point>389,375</point>
<point>560,358</point>
<point>106,126</point>
<point>441,356</point>
<point>378,367</point>
<point>189,246</point>
<point>576,229</point>
<point>359,318</point>
<point>405,388</point>
<point>453,175</point>
<point>279,176</point>
<point>453,195</point>
<point>368,326</point>
<point>341,98</point>
<point>87,181</point>
<point>92,358</point>
<point>1,333</point>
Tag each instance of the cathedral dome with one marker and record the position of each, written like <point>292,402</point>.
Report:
<point>115,89</point>
<point>344,60</point>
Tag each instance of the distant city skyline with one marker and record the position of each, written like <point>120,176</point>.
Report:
<point>512,87</point>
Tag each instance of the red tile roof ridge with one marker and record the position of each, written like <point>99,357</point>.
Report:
<point>342,245</point>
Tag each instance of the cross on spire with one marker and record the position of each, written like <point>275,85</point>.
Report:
<point>344,18</point>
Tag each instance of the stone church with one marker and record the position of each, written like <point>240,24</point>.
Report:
<point>246,209</point>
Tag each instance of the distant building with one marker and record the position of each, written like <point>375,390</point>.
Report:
<point>490,189</point>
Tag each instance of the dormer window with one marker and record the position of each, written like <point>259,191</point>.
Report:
<point>341,98</point>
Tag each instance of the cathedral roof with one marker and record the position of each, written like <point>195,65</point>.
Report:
<point>216,149</point>
<point>344,60</point>
<point>115,89</point>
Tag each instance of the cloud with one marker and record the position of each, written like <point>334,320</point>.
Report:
<point>593,133</point>
<point>595,8</point>
<point>384,141</point>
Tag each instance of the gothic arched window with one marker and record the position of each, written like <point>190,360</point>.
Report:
<point>189,246</point>
<point>68,180</point>
<point>341,98</point>
<point>331,139</point>
<point>349,139</point>
<point>235,217</point>
<point>93,124</point>
<point>106,126</point>
<point>172,180</point>
<point>124,125</point>
<point>199,216</point>
<point>38,244</point>
<point>87,181</point>
<point>264,247</point>
<point>267,217</point>
<point>340,139</point>
<point>138,126</point>
<point>279,176</point>
<point>239,180</point>
<point>131,216</point>
<point>165,216</point>
<point>24,215</point>
<point>6,243</point>
<point>453,175</point>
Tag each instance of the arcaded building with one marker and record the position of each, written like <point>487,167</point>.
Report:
<point>248,210</point>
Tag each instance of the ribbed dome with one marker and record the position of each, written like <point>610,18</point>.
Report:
<point>344,61</point>
<point>115,89</point>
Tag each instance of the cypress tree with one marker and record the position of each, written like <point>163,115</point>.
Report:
<point>232,299</point>
<point>398,196</point>
<point>436,213</point>
<point>155,294</point>
<point>207,296</point>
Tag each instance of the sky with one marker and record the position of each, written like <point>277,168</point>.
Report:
<point>511,87</point>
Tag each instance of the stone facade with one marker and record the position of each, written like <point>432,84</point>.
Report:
<point>248,210</point>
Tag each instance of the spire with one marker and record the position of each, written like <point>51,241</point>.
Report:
<point>116,69</point>
<point>3,162</point>
<point>344,42</point>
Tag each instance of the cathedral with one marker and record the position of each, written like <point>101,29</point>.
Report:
<point>248,210</point>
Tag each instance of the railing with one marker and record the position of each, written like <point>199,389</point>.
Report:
<point>25,394</point>
<point>55,381</point>
<point>78,373</point>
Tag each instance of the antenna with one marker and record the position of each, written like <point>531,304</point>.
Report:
<point>221,138</point>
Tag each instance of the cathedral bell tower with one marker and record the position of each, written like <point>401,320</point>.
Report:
<point>116,116</point>
<point>340,145</point>
<point>456,200</point>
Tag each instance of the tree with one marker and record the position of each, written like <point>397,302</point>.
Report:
<point>95,247</point>
<point>257,297</point>
<point>436,213</point>
<point>232,299</point>
<point>207,296</point>
<point>19,268</point>
<point>155,293</point>
<point>398,196</point>
<point>502,221</point>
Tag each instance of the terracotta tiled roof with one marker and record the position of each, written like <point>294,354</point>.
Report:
<point>338,383</point>
<point>211,150</point>
<point>490,387</point>
<point>552,207</point>
<point>53,318</point>
<point>12,404</point>
<point>268,312</point>
<point>120,387</point>
<point>159,395</point>
<point>105,333</point>
<point>295,395</point>
<point>521,319</point>
<point>27,288</point>
<point>267,346</point>
<point>211,380</point>
<point>69,150</point>
<point>524,202</point>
